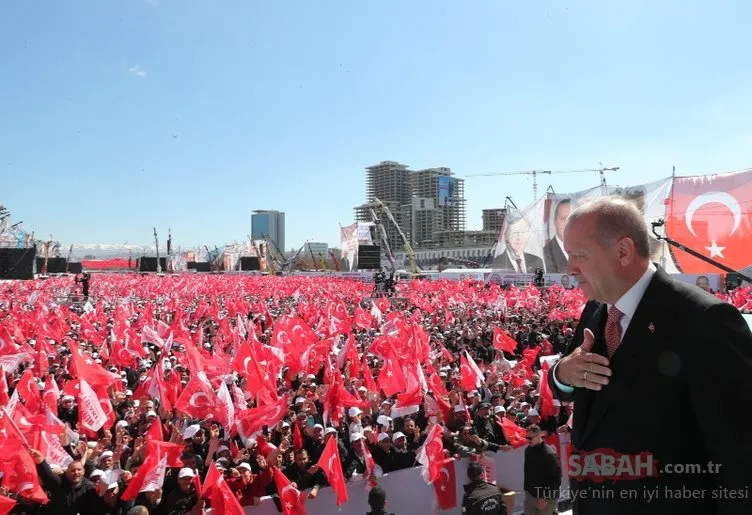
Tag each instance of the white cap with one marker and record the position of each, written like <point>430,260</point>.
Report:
<point>96,473</point>
<point>383,420</point>
<point>222,448</point>
<point>355,437</point>
<point>68,398</point>
<point>151,413</point>
<point>362,389</point>
<point>300,400</point>
<point>354,412</point>
<point>112,486</point>
<point>329,430</point>
<point>318,426</point>
<point>367,429</point>
<point>285,424</point>
<point>398,435</point>
<point>105,454</point>
<point>191,431</point>
<point>186,472</point>
<point>533,413</point>
<point>122,423</point>
<point>383,436</point>
<point>310,376</point>
<point>499,409</point>
<point>128,392</point>
<point>245,465</point>
<point>459,408</point>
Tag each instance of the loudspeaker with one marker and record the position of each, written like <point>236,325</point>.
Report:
<point>54,265</point>
<point>250,263</point>
<point>369,257</point>
<point>149,264</point>
<point>17,263</point>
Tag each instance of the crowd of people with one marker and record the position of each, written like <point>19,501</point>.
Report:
<point>177,394</point>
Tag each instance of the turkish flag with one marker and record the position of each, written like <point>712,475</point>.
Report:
<point>503,341</point>
<point>291,499</point>
<point>515,435</point>
<point>446,485</point>
<point>198,400</point>
<point>331,465</point>
<point>711,215</point>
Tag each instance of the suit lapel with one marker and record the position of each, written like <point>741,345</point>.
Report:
<point>635,346</point>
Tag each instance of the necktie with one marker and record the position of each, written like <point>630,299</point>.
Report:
<point>519,265</point>
<point>613,330</point>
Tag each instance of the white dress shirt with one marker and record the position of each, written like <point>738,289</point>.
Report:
<point>522,269</point>
<point>561,247</point>
<point>627,304</point>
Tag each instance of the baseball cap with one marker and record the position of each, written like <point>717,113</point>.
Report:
<point>186,472</point>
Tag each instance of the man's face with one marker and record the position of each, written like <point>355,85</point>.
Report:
<point>185,484</point>
<point>593,266</point>
<point>410,426</point>
<point>562,213</point>
<point>75,473</point>
<point>702,282</point>
<point>301,459</point>
<point>106,463</point>
<point>517,235</point>
<point>534,438</point>
<point>565,281</point>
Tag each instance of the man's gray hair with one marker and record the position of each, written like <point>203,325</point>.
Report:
<point>616,218</point>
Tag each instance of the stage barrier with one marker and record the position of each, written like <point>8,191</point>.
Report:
<point>407,491</point>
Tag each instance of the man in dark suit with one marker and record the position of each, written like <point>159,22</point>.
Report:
<point>653,363</point>
<point>553,251</point>
<point>514,256</point>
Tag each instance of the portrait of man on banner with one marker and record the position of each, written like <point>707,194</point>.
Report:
<point>554,255</point>
<point>514,253</point>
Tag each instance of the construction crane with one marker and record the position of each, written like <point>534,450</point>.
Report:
<point>335,261</point>
<point>602,171</point>
<point>322,262</point>
<point>408,249</point>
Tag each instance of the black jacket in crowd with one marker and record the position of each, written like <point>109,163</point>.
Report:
<point>483,498</point>
<point>542,471</point>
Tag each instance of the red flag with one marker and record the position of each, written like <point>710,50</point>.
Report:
<point>221,498</point>
<point>20,472</point>
<point>431,454</point>
<point>471,377</point>
<point>86,368</point>
<point>291,499</point>
<point>503,341</point>
<point>6,505</point>
<point>198,400</point>
<point>515,435</point>
<point>445,485</point>
<point>253,420</point>
<point>297,437</point>
<point>331,464</point>
<point>546,395</point>
<point>391,378</point>
<point>91,416</point>
<point>29,392</point>
<point>150,474</point>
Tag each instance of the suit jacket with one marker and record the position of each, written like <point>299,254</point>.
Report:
<point>553,255</point>
<point>531,262</point>
<point>680,389</point>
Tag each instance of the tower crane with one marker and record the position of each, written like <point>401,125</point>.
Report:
<point>534,173</point>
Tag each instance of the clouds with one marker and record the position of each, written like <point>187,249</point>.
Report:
<point>136,70</point>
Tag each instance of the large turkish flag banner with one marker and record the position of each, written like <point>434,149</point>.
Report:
<point>712,215</point>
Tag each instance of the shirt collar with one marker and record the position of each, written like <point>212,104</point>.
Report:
<point>628,302</point>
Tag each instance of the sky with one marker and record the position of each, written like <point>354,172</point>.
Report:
<point>124,115</point>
